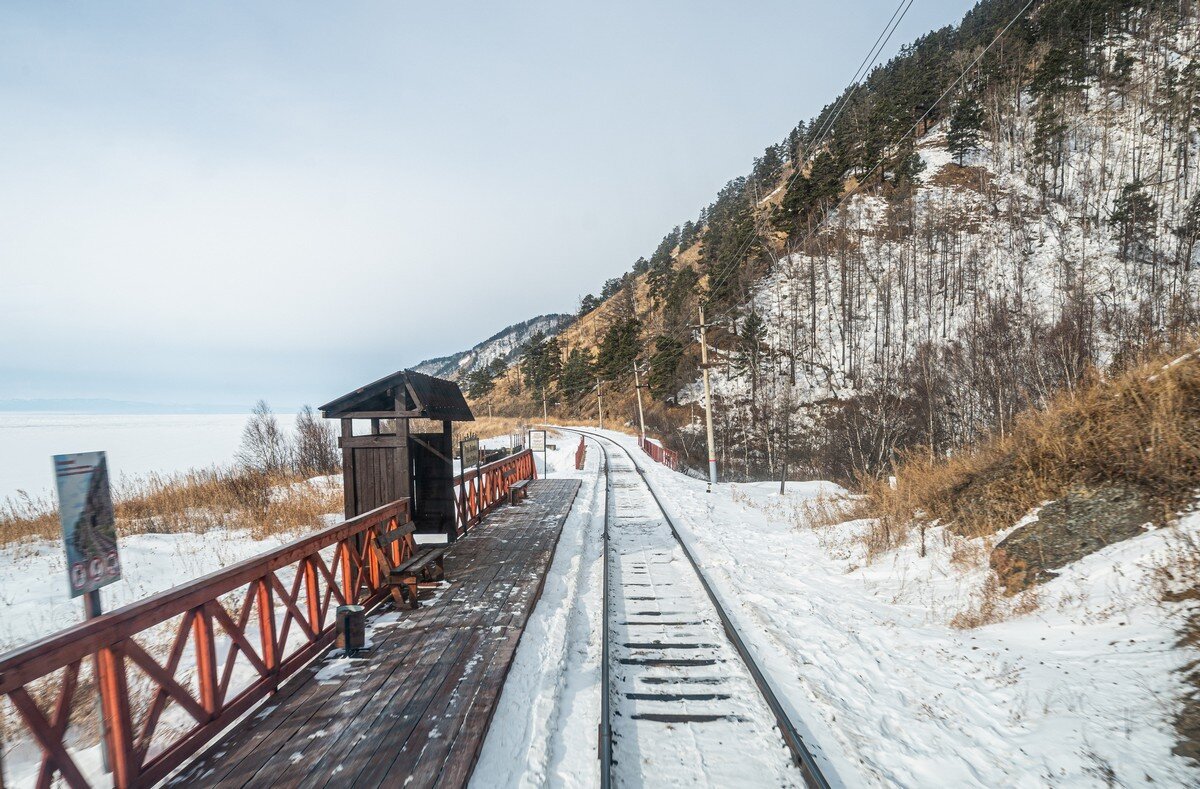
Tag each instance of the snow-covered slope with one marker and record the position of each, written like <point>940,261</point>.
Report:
<point>504,344</point>
<point>932,317</point>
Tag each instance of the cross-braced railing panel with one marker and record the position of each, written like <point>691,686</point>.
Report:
<point>483,489</point>
<point>174,670</point>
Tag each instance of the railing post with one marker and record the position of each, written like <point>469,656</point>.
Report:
<point>118,723</point>
<point>310,591</point>
<point>349,591</point>
<point>206,659</point>
<point>266,629</point>
<point>373,567</point>
<point>394,546</point>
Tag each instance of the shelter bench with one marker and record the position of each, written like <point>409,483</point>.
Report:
<point>424,567</point>
<point>420,566</point>
<point>517,491</point>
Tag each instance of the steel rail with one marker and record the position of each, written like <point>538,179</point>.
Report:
<point>606,743</point>
<point>801,755</point>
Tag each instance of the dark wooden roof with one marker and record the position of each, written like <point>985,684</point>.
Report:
<point>424,397</point>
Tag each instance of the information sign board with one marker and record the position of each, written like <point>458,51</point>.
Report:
<point>89,528</point>
<point>469,452</point>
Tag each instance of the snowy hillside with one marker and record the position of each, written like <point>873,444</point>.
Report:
<point>932,317</point>
<point>502,345</point>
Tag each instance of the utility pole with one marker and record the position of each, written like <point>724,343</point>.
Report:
<point>600,402</point>
<point>712,454</point>
<point>545,418</point>
<point>637,387</point>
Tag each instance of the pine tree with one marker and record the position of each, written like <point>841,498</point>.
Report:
<point>664,367</point>
<point>1188,231</point>
<point>1135,216</point>
<point>619,348</point>
<point>965,123</point>
<point>480,383</point>
<point>576,376</point>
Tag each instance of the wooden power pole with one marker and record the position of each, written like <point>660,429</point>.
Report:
<point>637,387</point>
<point>712,454</point>
<point>600,402</point>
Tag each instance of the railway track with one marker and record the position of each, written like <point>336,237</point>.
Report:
<point>683,702</point>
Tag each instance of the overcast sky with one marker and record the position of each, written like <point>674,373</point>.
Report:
<point>214,202</point>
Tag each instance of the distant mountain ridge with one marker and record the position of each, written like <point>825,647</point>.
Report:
<point>504,344</point>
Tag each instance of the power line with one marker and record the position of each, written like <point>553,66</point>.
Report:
<point>877,165</point>
<point>826,128</point>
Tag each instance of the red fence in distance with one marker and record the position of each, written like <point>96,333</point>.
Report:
<point>661,454</point>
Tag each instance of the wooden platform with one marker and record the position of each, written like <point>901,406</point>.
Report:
<point>413,712</point>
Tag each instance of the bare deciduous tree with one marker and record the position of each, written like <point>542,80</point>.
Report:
<point>265,447</point>
<point>316,444</point>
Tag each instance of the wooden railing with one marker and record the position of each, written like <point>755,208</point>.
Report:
<point>661,454</point>
<point>234,635</point>
<point>480,490</point>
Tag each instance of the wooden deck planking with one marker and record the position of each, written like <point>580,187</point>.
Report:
<point>416,709</point>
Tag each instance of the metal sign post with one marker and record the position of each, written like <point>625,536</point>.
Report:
<point>90,538</point>
<point>537,443</point>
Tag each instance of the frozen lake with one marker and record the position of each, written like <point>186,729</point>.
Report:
<point>136,444</point>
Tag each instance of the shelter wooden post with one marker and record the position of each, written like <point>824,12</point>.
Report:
<point>351,505</point>
<point>402,453</point>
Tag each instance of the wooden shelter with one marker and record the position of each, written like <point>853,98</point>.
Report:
<point>394,461</point>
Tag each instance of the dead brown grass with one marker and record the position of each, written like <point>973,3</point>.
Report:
<point>991,605</point>
<point>196,501</point>
<point>968,177</point>
<point>1140,428</point>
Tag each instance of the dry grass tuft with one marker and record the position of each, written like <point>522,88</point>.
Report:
<point>1141,428</point>
<point>195,501</point>
<point>992,605</point>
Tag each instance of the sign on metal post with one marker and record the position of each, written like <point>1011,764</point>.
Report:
<point>89,527</point>
<point>537,443</point>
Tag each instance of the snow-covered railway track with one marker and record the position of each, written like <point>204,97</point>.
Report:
<point>683,702</point>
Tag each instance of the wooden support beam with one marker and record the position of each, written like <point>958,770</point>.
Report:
<point>382,440</point>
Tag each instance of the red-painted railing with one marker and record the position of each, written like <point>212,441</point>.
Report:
<point>580,455</point>
<point>483,489</point>
<point>234,635</point>
<point>661,454</point>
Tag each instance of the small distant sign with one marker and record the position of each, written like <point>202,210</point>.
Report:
<point>537,440</point>
<point>469,452</point>
<point>89,527</point>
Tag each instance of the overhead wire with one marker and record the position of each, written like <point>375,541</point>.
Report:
<point>825,129</point>
<point>853,192</point>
